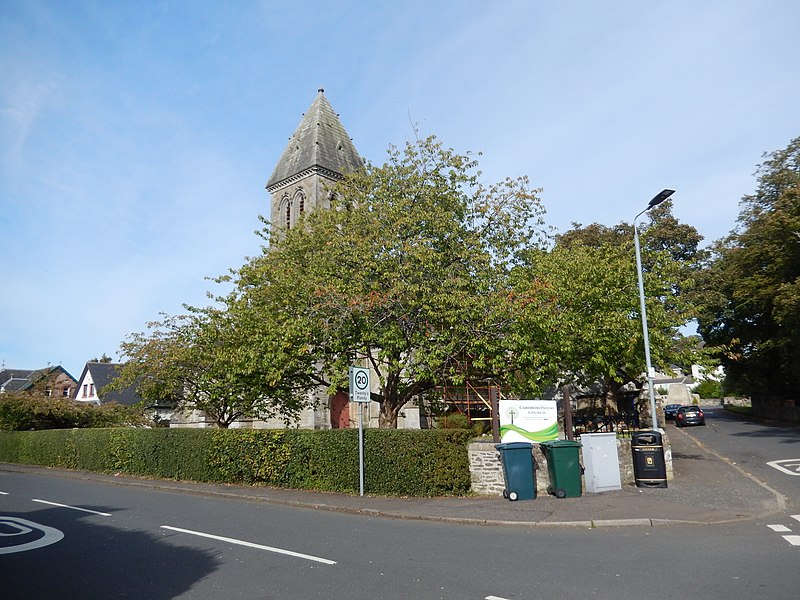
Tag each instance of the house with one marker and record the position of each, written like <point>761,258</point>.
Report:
<point>95,377</point>
<point>52,381</point>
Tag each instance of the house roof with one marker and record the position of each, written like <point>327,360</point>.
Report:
<point>102,375</point>
<point>320,142</point>
<point>16,380</point>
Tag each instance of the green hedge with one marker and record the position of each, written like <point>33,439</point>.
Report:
<point>396,462</point>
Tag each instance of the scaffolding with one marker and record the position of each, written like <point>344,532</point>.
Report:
<point>474,400</point>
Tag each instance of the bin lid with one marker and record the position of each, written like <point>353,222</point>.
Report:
<point>646,438</point>
<point>514,446</point>
<point>562,444</point>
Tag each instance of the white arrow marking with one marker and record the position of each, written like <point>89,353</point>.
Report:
<point>250,545</point>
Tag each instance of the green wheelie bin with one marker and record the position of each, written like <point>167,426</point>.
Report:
<point>519,470</point>
<point>564,468</point>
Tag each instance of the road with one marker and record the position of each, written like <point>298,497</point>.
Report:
<point>133,542</point>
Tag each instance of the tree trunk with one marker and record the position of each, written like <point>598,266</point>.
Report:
<point>387,418</point>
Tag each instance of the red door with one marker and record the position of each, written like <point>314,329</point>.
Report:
<point>340,410</point>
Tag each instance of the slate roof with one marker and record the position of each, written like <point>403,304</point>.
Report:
<point>102,375</point>
<point>16,380</point>
<point>320,142</point>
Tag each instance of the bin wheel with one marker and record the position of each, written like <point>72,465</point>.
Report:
<point>513,496</point>
<point>560,493</point>
<point>505,493</point>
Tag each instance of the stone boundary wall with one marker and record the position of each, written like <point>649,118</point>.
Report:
<point>487,471</point>
<point>776,407</point>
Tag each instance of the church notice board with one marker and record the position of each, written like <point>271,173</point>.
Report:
<point>528,420</point>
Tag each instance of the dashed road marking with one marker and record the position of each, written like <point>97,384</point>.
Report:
<point>796,517</point>
<point>789,466</point>
<point>251,545</point>
<point>779,528</point>
<point>94,512</point>
<point>794,540</point>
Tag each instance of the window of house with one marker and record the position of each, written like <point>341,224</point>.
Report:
<point>48,391</point>
<point>91,389</point>
<point>65,392</point>
<point>85,389</point>
<point>288,214</point>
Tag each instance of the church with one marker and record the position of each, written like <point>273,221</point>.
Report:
<point>318,154</point>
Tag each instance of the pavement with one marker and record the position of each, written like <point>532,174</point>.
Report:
<point>707,488</point>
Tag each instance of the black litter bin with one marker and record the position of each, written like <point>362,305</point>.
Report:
<point>649,467</point>
<point>564,468</point>
<point>519,470</point>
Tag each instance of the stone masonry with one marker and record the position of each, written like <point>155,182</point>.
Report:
<point>487,472</point>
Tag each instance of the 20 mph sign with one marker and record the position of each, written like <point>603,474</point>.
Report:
<point>359,384</point>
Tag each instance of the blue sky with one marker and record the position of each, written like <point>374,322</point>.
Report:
<point>137,137</point>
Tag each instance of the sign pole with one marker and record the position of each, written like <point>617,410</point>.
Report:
<point>361,448</point>
<point>360,392</point>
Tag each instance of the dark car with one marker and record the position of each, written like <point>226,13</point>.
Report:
<point>670,410</point>
<point>689,415</point>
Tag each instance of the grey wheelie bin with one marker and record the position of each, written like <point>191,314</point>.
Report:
<point>519,470</point>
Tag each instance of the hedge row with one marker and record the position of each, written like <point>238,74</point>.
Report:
<point>396,462</point>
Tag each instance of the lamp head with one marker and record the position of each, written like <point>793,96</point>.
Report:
<point>660,197</point>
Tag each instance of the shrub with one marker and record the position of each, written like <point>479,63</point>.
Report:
<point>24,411</point>
<point>708,388</point>
<point>396,462</point>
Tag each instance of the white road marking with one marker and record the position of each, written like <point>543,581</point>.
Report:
<point>790,466</point>
<point>796,517</point>
<point>23,527</point>
<point>251,545</point>
<point>94,512</point>
<point>3,493</point>
<point>494,598</point>
<point>780,528</point>
<point>794,540</point>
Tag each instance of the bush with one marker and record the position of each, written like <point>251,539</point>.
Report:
<point>23,411</point>
<point>708,388</point>
<point>396,462</point>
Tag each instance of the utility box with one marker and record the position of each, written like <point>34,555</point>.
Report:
<point>601,462</point>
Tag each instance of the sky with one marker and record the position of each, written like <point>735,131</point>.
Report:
<point>136,137</point>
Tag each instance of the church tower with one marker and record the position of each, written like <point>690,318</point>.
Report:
<point>318,154</point>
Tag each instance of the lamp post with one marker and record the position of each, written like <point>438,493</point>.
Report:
<point>657,199</point>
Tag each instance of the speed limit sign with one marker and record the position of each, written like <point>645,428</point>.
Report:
<point>359,384</point>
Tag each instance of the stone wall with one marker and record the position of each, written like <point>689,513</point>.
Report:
<point>487,471</point>
<point>776,407</point>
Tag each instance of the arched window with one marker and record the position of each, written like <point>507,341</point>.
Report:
<point>286,211</point>
<point>300,201</point>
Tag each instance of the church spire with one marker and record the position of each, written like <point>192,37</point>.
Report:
<point>319,144</point>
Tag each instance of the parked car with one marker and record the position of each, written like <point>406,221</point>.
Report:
<point>689,415</point>
<point>670,410</point>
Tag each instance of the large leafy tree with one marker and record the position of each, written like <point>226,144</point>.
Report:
<point>751,292</point>
<point>406,273</point>
<point>580,302</point>
<point>204,361</point>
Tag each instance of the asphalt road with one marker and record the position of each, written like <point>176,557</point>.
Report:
<point>768,451</point>
<point>76,539</point>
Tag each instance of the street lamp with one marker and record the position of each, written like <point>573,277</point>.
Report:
<point>657,199</point>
